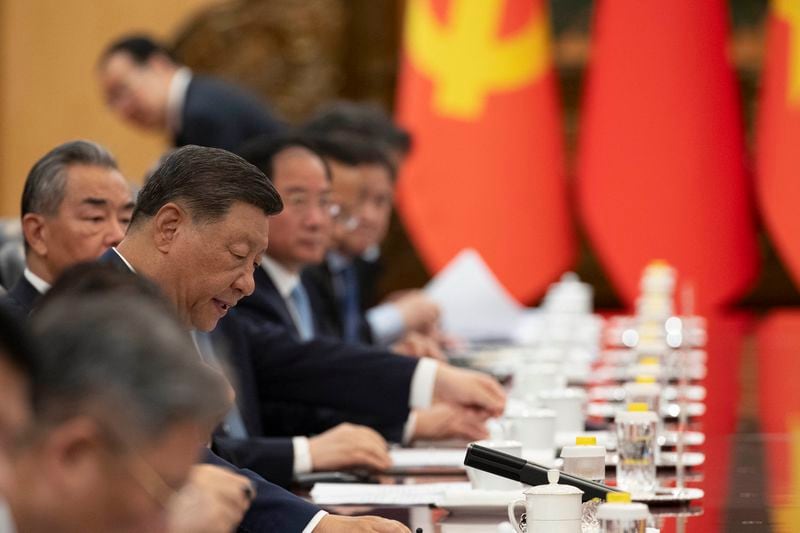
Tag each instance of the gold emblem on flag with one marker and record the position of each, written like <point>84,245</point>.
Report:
<point>789,11</point>
<point>467,59</point>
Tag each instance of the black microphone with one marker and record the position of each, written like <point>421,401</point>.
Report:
<point>516,469</point>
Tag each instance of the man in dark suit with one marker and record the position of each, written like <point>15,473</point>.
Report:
<point>298,237</point>
<point>75,205</point>
<point>363,189</point>
<point>199,230</point>
<point>145,86</point>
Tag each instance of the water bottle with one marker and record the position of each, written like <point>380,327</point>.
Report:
<point>637,441</point>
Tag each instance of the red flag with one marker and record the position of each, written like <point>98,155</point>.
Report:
<point>477,91</point>
<point>660,171</point>
<point>779,133</point>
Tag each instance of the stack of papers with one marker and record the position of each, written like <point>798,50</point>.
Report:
<point>427,457</point>
<point>474,304</point>
<point>371,494</point>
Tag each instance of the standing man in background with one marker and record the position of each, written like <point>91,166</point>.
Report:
<point>147,87</point>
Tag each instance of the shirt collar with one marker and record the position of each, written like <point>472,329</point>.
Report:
<point>127,264</point>
<point>38,283</point>
<point>337,262</point>
<point>285,280</point>
<point>176,96</point>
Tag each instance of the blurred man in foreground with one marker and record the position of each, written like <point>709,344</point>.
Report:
<point>123,409</point>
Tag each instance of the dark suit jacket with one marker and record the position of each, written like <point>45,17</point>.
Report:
<point>320,373</point>
<point>21,299</point>
<point>274,509</point>
<point>283,417</point>
<point>221,115</point>
<point>318,279</point>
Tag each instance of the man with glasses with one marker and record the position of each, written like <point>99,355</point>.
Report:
<point>363,187</point>
<point>299,236</point>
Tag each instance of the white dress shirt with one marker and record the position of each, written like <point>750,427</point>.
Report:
<point>38,283</point>
<point>176,96</point>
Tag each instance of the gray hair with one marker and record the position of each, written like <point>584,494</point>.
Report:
<point>46,182</point>
<point>123,360</point>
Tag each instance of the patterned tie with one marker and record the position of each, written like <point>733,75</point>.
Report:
<point>233,425</point>
<point>302,312</point>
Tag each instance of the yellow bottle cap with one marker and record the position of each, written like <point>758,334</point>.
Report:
<point>618,497</point>
<point>649,361</point>
<point>586,441</point>
<point>645,379</point>
<point>637,407</point>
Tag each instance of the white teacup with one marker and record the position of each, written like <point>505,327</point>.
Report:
<point>531,379</point>
<point>569,405</point>
<point>550,508</point>
<point>534,428</point>
<point>481,480</point>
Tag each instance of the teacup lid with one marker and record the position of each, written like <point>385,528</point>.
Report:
<point>553,488</point>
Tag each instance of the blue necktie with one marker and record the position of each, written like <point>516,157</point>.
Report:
<point>302,307</point>
<point>350,306</point>
<point>233,425</point>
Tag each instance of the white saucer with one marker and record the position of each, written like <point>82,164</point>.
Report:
<point>694,393</point>
<point>669,495</point>
<point>668,459</point>
<point>670,410</point>
<point>475,501</point>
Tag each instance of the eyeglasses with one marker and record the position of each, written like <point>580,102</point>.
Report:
<point>303,203</point>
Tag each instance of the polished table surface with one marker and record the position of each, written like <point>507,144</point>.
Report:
<point>751,476</point>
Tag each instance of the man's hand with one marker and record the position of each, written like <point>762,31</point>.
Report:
<point>347,446</point>
<point>359,524</point>
<point>419,312</point>
<point>447,421</point>
<point>214,500</point>
<point>418,345</point>
<point>469,388</point>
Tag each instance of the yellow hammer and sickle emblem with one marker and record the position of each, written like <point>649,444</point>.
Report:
<point>467,59</point>
<point>789,11</point>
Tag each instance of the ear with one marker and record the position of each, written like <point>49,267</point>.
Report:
<point>35,231</point>
<point>168,224</point>
<point>75,452</point>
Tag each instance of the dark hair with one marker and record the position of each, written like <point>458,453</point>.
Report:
<point>262,150</point>
<point>140,47</point>
<point>18,348</point>
<point>83,279</point>
<point>207,181</point>
<point>119,358</point>
<point>46,181</point>
<point>352,150</point>
<point>362,120</point>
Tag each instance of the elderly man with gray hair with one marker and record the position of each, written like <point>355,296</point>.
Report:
<point>75,205</point>
<point>122,410</point>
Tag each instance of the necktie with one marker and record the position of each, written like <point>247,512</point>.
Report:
<point>350,307</point>
<point>303,318</point>
<point>233,425</point>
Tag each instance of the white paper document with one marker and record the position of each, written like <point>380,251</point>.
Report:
<point>372,494</point>
<point>475,306</point>
<point>427,457</point>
